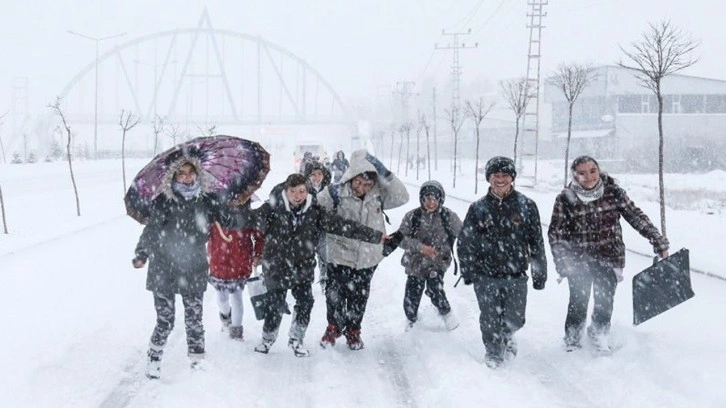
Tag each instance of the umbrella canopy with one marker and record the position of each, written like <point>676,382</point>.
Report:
<point>233,165</point>
<point>662,286</point>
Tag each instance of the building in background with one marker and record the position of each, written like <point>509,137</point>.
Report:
<point>616,120</point>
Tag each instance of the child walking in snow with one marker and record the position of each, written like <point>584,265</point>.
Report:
<point>233,254</point>
<point>429,232</point>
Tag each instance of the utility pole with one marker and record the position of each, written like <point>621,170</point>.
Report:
<point>403,90</point>
<point>530,119</point>
<point>95,98</point>
<point>436,154</point>
<point>455,66</point>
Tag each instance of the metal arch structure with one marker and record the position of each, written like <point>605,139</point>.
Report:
<point>205,84</point>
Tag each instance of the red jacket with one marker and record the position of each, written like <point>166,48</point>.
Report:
<point>231,252</point>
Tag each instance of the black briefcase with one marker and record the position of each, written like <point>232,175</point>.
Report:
<point>662,286</point>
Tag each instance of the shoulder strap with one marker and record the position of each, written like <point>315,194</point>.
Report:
<point>445,221</point>
<point>416,220</point>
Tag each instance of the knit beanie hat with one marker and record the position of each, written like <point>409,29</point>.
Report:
<point>500,164</point>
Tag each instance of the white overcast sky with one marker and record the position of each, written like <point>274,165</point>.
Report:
<point>359,46</point>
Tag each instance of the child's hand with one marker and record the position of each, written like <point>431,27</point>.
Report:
<point>429,251</point>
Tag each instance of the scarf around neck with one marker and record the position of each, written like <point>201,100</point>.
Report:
<point>585,195</point>
<point>188,192</point>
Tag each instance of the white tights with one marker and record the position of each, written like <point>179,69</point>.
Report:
<point>231,302</point>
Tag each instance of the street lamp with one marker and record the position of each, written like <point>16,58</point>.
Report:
<point>95,100</point>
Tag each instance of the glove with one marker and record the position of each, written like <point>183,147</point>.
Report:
<point>538,284</point>
<point>380,168</point>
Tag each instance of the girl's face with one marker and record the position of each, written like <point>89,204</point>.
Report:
<point>587,175</point>
<point>316,177</point>
<point>297,195</point>
<point>186,175</point>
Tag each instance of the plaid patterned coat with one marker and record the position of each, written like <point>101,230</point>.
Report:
<point>580,232</point>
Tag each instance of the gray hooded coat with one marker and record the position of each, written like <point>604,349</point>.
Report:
<point>386,194</point>
<point>429,231</point>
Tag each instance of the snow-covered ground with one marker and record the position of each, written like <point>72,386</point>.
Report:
<point>76,318</point>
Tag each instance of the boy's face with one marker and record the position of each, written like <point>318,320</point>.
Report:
<point>430,203</point>
<point>296,195</point>
<point>501,183</point>
<point>361,186</point>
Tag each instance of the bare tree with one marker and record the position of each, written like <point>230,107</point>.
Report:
<point>662,50</point>
<point>516,94</point>
<point>210,130</point>
<point>456,117</point>
<point>423,122</point>
<point>126,121</point>
<point>173,132</point>
<point>477,111</point>
<point>2,209</point>
<point>57,109</point>
<point>2,147</point>
<point>419,128</point>
<point>571,79</point>
<point>409,126</point>
<point>405,128</point>
<point>392,130</point>
<point>158,127</point>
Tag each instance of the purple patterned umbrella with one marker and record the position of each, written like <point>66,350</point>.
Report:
<point>235,166</point>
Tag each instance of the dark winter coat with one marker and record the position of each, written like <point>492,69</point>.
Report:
<point>581,232</point>
<point>291,238</point>
<point>176,236</point>
<point>500,238</point>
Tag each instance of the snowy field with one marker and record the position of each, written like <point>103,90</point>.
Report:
<point>77,318</point>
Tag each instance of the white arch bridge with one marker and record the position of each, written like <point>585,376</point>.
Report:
<point>202,77</point>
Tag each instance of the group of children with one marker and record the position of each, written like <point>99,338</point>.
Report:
<point>343,223</point>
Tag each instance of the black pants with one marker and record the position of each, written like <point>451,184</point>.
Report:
<point>601,280</point>
<point>304,300</point>
<point>434,289</point>
<point>346,295</point>
<point>502,306</point>
<point>193,310</point>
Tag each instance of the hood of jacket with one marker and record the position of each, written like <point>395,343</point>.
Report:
<point>432,186</point>
<point>358,165</point>
<point>206,180</point>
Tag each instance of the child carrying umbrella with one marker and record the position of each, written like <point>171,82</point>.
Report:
<point>174,243</point>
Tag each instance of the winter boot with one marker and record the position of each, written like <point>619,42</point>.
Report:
<point>236,333</point>
<point>331,333</point>
<point>510,348</point>
<point>297,347</point>
<point>599,340</point>
<point>408,326</point>
<point>450,321</point>
<point>353,339</point>
<point>153,368</point>
<point>493,360</point>
<point>226,319</point>
<point>267,342</point>
<point>197,360</point>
